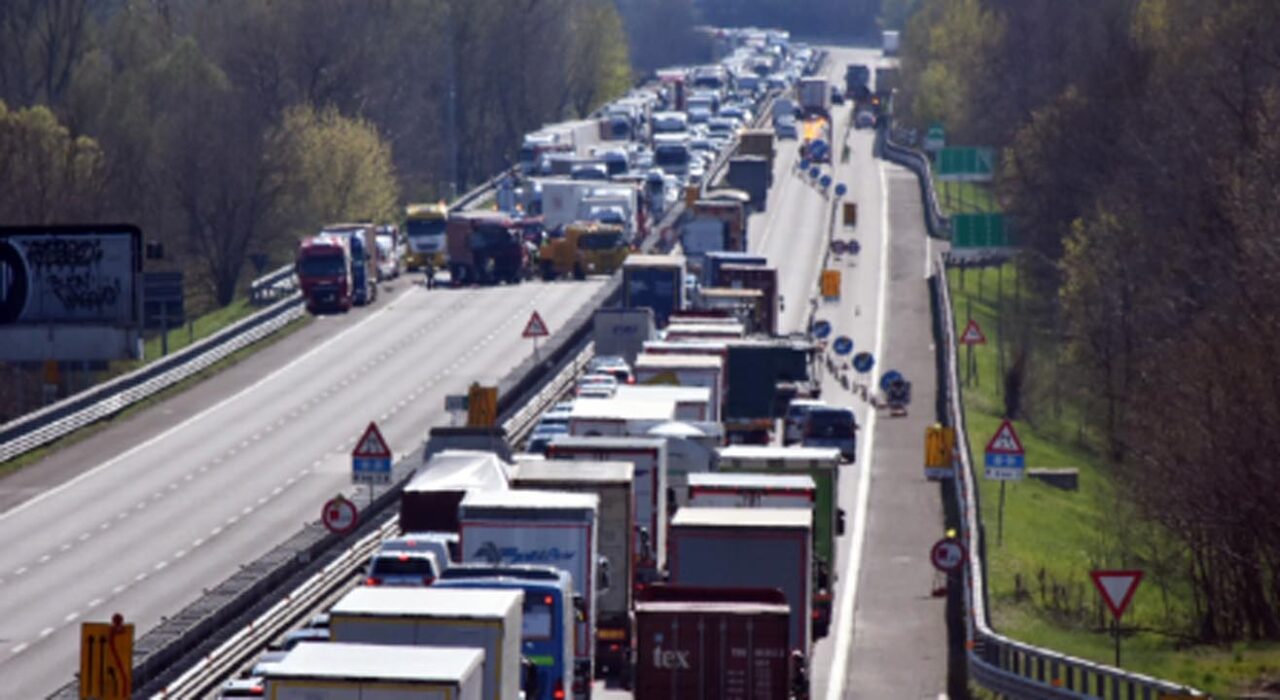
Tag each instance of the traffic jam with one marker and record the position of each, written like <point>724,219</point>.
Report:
<point>667,528</point>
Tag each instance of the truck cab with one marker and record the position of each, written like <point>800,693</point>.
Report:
<point>323,266</point>
<point>583,248</point>
<point>550,610</point>
<point>363,247</point>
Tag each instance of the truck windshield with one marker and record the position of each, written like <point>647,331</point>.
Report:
<point>538,616</point>
<point>601,241</point>
<point>425,235</point>
<point>321,266</point>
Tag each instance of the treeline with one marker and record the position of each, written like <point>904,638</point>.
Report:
<point>1141,169</point>
<point>228,129</point>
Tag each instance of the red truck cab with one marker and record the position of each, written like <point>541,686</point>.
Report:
<point>323,265</point>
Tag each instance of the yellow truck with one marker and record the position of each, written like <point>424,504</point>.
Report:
<point>585,247</point>
<point>424,225</point>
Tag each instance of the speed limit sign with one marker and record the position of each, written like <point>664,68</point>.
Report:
<point>947,554</point>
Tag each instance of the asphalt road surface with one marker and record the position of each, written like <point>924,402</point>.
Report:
<point>142,517</point>
<point>888,637</point>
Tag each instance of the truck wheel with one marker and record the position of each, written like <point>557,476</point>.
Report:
<point>548,271</point>
<point>578,272</point>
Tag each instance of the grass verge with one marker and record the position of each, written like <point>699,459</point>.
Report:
<point>88,431</point>
<point>199,328</point>
<point>1038,574</point>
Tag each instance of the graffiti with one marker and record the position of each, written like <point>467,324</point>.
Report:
<point>493,553</point>
<point>54,252</point>
<point>84,291</point>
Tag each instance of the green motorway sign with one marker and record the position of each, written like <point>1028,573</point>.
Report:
<point>979,231</point>
<point>965,163</point>
<point>935,138</point>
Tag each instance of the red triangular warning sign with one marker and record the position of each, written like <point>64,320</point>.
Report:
<point>1005,441</point>
<point>1117,588</point>
<point>536,327</point>
<point>371,445</point>
<point>972,334</point>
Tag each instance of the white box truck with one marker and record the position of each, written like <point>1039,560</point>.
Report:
<point>613,483</point>
<point>649,455</point>
<point>339,671</point>
<point>684,370</point>
<point>549,528</point>
<point>484,619</point>
<point>615,417</point>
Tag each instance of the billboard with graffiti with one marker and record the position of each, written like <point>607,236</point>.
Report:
<point>70,275</point>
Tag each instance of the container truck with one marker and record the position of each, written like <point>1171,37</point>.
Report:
<point>823,466</point>
<point>757,142</point>
<point>752,175</point>
<point>485,247</point>
<point>692,403</point>
<point>649,455</point>
<point>613,484</point>
<point>614,417</point>
<point>711,276</point>
<point>745,305</point>
<point>429,502</point>
<point>547,622</point>
<point>746,490</point>
<point>339,671</point>
<point>582,248</point>
<point>815,96</point>
<point>756,277</point>
<point>891,42</point>
<point>763,376</point>
<point>553,528</point>
<point>484,619</point>
<point>702,235</point>
<point>730,211</point>
<point>683,370</point>
<point>323,266</point>
<point>706,331</point>
<point>655,282</point>
<point>713,643</point>
<point>750,548</point>
<point>622,332</point>
<point>361,241</point>
<point>857,82</point>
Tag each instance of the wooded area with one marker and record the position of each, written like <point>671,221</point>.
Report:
<point>1140,171</point>
<point>228,129</point>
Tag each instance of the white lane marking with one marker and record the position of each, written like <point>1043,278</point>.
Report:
<point>39,498</point>
<point>84,536</point>
<point>849,592</point>
<point>46,632</point>
<point>20,571</point>
<point>197,542</point>
<point>45,558</point>
<point>119,589</point>
<point>19,649</point>
<point>180,554</point>
<point>94,603</point>
<point>928,256</point>
<point>140,577</point>
<point>215,531</point>
<point>71,616</point>
<point>161,565</point>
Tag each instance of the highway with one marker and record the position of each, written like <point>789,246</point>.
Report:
<point>889,635</point>
<point>143,516</point>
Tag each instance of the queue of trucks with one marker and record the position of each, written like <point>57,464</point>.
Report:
<point>659,534</point>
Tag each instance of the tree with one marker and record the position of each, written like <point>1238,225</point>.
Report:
<point>46,174</point>
<point>41,42</point>
<point>331,168</point>
<point>600,70</point>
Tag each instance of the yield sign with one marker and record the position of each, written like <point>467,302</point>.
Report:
<point>1005,441</point>
<point>972,334</point>
<point>1117,588</point>
<point>536,327</point>
<point>371,445</point>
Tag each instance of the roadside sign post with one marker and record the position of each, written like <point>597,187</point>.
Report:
<point>371,459</point>
<point>1117,588</point>
<point>1005,461</point>
<point>482,406</point>
<point>939,452</point>
<point>831,285</point>
<point>106,660</point>
<point>535,328</point>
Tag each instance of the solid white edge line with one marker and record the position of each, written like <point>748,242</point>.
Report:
<point>203,414</point>
<point>849,591</point>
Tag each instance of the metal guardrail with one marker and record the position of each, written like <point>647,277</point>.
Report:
<point>938,225</point>
<point>1001,664</point>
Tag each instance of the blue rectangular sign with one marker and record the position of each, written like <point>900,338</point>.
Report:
<point>1001,467</point>
<point>366,470</point>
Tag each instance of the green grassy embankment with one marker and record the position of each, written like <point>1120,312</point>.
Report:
<point>1040,590</point>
